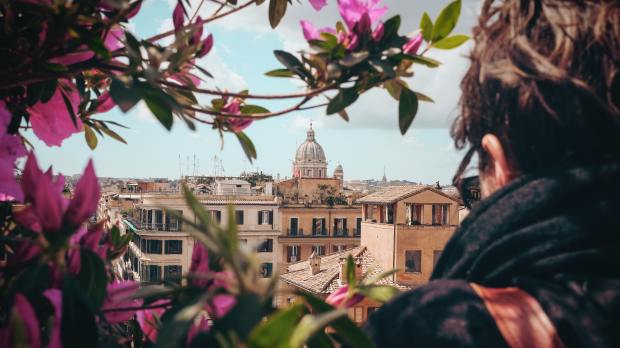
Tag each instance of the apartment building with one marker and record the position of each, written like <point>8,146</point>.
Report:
<point>407,227</point>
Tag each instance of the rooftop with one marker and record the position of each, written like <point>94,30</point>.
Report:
<point>393,194</point>
<point>326,280</point>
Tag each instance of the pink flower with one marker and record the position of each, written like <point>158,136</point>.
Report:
<point>200,265</point>
<point>318,4</point>
<point>413,45</point>
<point>377,34</point>
<point>184,77</point>
<point>106,103</point>
<point>236,124</point>
<point>353,10</point>
<point>339,297</point>
<point>48,210</point>
<point>148,319</point>
<point>86,197</point>
<point>51,121</point>
<point>11,147</point>
<point>120,295</point>
<point>198,33</point>
<point>198,327</point>
<point>29,330</point>
<point>55,297</point>
<point>178,16</point>
<point>90,240</point>
<point>112,42</point>
<point>221,305</point>
<point>312,33</point>
<point>207,45</point>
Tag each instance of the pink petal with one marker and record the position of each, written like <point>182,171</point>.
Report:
<point>106,103</point>
<point>200,264</point>
<point>318,4</point>
<point>237,124</point>
<point>195,39</point>
<point>207,45</point>
<point>86,197</point>
<point>25,251</point>
<point>120,295</point>
<point>377,34</point>
<point>310,31</point>
<point>134,11</point>
<point>30,177</point>
<point>82,55</point>
<point>113,39</point>
<point>195,329</point>
<point>29,318</point>
<point>178,16</point>
<point>413,45</point>
<point>222,304</point>
<point>74,260</point>
<point>51,121</point>
<point>27,218</point>
<point>337,298</point>
<point>55,297</point>
<point>47,206</point>
<point>147,319</point>
<point>352,11</point>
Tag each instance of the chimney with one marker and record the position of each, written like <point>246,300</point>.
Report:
<point>342,262</point>
<point>315,263</point>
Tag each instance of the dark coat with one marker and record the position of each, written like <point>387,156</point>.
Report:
<point>555,235</point>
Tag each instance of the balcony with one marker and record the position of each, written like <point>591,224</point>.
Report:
<point>320,233</point>
<point>172,227</point>
<point>299,232</point>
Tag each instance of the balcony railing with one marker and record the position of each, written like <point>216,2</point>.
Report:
<point>320,233</point>
<point>172,227</point>
<point>299,232</point>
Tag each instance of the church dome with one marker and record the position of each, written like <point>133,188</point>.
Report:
<point>310,151</point>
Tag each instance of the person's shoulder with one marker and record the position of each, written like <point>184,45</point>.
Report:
<point>440,313</point>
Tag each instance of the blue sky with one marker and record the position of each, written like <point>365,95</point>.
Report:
<point>243,52</point>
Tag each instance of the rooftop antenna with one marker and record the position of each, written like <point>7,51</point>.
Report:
<point>180,168</point>
<point>194,173</point>
<point>187,166</point>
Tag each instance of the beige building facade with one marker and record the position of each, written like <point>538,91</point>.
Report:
<point>407,227</point>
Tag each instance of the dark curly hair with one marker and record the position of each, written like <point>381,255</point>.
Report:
<point>545,79</point>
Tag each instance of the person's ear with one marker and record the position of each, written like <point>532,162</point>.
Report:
<point>502,172</point>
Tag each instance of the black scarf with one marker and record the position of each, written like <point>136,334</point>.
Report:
<point>556,235</point>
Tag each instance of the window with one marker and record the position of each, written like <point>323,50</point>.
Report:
<point>152,246</point>
<point>413,261</point>
<point>356,314</point>
<point>216,215</point>
<point>239,217</point>
<point>265,217</point>
<point>340,227</point>
<point>318,226</point>
<point>358,227</point>
<point>337,248</point>
<point>174,247</point>
<point>436,256</point>
<point>318,249</point>
<point>294,227</point>
<point>414,214</point>
<point>266,246</point>
<point>266,269</point>
<point>292,253</point>
<point>153,273</point>
<point>172,274</point>
<point>440,214</point>
<point>389,213</point>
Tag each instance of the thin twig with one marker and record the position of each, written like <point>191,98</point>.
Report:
<point>309,93</point>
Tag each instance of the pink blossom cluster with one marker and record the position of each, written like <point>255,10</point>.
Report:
<point>360,16</point>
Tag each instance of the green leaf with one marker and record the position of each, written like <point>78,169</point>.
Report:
<point>383,67</point>
<point>407,109</point>
<point>160,109</point>
<point>92,278</point>
<point>247,145</point>
<point>446,21</point>
<point>113,134</point>
<point>69,107</point>
<point>424,97</point>
<point>311,324</point>
<point>352,59</point>
<point>342,100</point>
<point>394,87</point>
<point>344,115</point>
<point>429,62</point>
<point>278,328</point>
<point>292,63</point>
<point>78,327</point>
<point>253,109</point>
<point>91,138</point>
<point>277,9</point>
<point>391,26</point>
<point>280,73</point>
<point>451,42</point>
<point>177,320</point>
<point>243,317</point>
<point>379,293</point>
<point>376,278</point>
<point>426,25</point>
<point>125,97</point>
<point>350,271</point>
<point>97,45</point>
<point>344,326</point>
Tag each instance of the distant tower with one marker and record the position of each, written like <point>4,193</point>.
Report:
<point>338,172</point>
<point>384,179</point>
<point>310,161</point>
<point>315,263</point>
